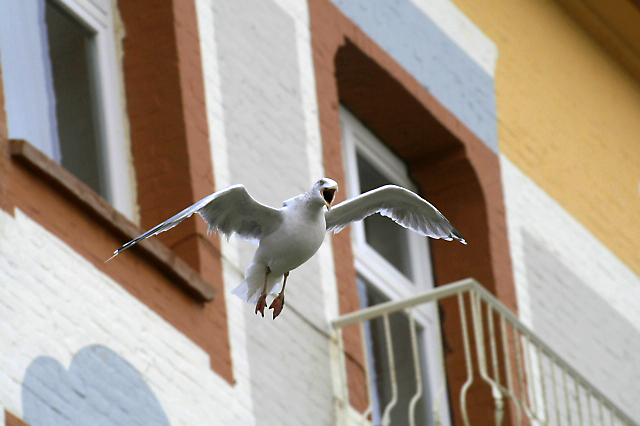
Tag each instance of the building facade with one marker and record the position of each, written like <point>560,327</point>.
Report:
<point>518,120</point>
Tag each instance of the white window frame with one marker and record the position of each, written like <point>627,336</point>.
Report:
<point>394,284</point>
<point>373,267</point>
<point>97,17</point>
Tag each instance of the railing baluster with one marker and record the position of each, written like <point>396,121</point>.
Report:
<point>578,403</point>
<point>589,406</point>
<point>555,390</point>
<point>443,380</point>
<point>416,367</point>
<point>386,416</point>
<point>543,390</point>
<point>519,370</point>
<point>494,353</point>
<point>507,362</point>
<point>528,364</point>
<point>600,410</point>
<point>478,327</point>
<point>494,365</point>
<point>467,359</point>
<point>367,372</point>
<point>566,395</point>
<point>613,420</point>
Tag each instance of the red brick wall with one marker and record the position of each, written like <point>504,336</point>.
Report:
<point>170,140</point>
<point>11,420</point>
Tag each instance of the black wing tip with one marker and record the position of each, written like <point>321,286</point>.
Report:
<point>115,253</point>
<point>458,237</point>
<point>453,238</point>
<point>121,249</point>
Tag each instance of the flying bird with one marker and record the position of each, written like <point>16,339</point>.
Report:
<point>290,235</point>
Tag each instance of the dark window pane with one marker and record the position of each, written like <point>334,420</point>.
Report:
<point>73,81</point>
<point>384,235</point>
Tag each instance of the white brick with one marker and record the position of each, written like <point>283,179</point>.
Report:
<point>573,291</point>
<point>56,314</point>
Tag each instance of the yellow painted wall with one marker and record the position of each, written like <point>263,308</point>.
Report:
<point>568,116</point>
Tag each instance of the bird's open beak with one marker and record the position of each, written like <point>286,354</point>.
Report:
<point>329,194</point>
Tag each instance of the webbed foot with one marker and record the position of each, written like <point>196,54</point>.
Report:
<point>262,303</point>
<point>277,305</point>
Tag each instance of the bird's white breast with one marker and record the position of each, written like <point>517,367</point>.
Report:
<point>297,239</point>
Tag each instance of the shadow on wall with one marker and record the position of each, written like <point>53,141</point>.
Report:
<point>100,388</point>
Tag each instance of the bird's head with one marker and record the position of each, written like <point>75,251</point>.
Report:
<point>325,189</point>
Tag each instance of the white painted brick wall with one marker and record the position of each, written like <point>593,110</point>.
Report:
<point>583,301</point>
<point>53,302</point>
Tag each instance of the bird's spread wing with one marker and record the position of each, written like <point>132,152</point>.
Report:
<point>401,205</point>
<point>233,211</point>
<point>229,211</point>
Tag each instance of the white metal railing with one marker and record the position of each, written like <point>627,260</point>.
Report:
<point>520,368</point>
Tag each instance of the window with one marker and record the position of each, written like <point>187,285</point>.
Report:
<point>396,256</point>
<point>61,89</point>
<point>392,263</point>
<point>70,52</point>
<point>381,233</point>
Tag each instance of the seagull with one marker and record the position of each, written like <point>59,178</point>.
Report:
<point>289,236</point>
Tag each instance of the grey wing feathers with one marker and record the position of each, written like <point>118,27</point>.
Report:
<point>230,210</point>
<point>403,206</point>
<point>236,212</point>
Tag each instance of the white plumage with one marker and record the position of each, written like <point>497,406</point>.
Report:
<point>292,234</point>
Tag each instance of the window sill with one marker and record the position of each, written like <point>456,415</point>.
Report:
<point>181,273</point>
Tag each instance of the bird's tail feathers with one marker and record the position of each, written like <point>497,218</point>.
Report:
<point>251,287</point>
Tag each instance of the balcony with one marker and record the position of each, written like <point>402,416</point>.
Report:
<point>528,381</point>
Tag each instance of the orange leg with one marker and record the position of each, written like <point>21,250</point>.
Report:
<point>262,301</point>
<point>278,302</point>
